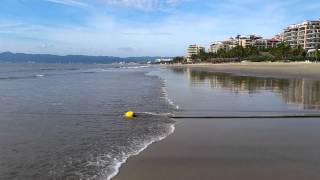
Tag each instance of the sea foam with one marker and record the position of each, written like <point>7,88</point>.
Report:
<point>166,96</point>
<point>118,163</point>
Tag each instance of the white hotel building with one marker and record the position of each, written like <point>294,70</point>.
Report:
<point>305,34</point>
<point>194,50</point>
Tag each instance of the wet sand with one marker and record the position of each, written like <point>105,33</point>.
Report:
<point>235,149</point>
<point>286,70</point>
<point>247,149</point>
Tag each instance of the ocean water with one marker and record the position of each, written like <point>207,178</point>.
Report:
<point>64,121</point>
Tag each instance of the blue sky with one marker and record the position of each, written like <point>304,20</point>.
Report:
<point>140,27</point>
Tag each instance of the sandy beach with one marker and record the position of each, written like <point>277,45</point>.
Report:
<point>276,69</point>
<point>229,149</point>
<point>226,149</point>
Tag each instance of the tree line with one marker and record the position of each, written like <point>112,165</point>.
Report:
<point>282,52</point>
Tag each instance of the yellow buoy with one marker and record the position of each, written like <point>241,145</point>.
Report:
<point>130,114</point>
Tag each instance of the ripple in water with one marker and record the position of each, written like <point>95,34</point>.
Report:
<point>70,126</point>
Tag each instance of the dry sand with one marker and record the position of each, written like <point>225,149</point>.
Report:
<point>288,70</point>
<point>241,149</point>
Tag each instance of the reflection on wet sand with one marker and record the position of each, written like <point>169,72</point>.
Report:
<point>303,92</point>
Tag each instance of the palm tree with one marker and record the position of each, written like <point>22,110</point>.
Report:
<point>317,53</point>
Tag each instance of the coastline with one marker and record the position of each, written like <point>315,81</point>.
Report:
<point>261,69</point>
<point>205,149</point>
<point>145,146</point>
<point>224,149</point>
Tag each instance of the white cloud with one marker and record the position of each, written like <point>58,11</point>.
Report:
<point>139,4</point>
<point>144,4</point>
<point>69,2</point>
<point>107,36</point>
<point>136,4</point>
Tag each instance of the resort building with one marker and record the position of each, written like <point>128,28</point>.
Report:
<point>231,42</point>
<point>225,45</point>
<point>163,60</point>
<point>305,34</point>
<point>245,41</point>
<point>266,43</point>
<point>259,42</point>
<point>216,46</point>
<point>194,50</point>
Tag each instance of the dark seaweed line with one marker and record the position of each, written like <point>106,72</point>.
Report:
<point>248,117</point>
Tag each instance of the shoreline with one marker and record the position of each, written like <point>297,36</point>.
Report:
<point>205,149</point>
<point>172,128</point>
<point>260,69</point>
<point>227,149</point>
<point>119,165</point>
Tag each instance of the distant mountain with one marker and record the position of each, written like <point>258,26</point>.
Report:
<point>48,58</point>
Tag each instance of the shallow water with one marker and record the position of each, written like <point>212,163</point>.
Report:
<point>64,121</point>
<point>196,91</point>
